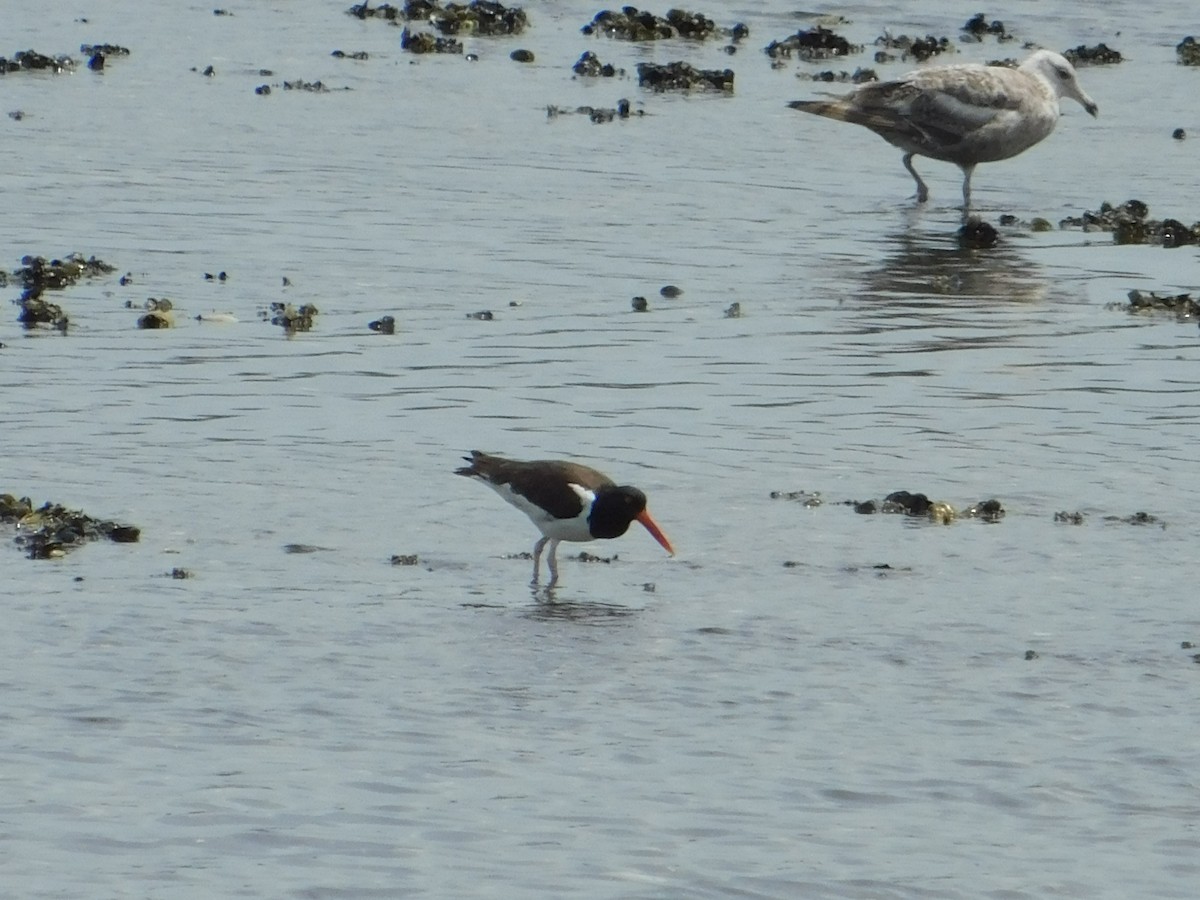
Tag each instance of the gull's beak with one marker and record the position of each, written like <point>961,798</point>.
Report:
<point>652,527</point>
<point>1092,109</point>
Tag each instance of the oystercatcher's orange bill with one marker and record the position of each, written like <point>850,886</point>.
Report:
<point>655,531</point>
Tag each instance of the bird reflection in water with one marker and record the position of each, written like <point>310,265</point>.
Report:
<point>931,266</point>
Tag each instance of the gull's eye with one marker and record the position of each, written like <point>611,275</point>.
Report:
<point>1063,74</point>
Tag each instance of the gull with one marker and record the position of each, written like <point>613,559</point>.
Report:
<point>964,114</point>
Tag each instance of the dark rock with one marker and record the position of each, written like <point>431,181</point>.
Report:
<point>521,56</point>
<point>423,42</point>
<point>814,43</point>
<point>51,530</point>
<point>904,502</point>
<point>916,48</point>
<point>978,27</point>
<point>104,49</point>
<point>589,66</point>
<point>1069,518</point>
<point>1182,306</point>
<point>977,234</point>
<point>1138,518</point>
<point>483,17</point>
<point>680,76</point>
<point>1187,52</point>
<point>986,510</point>
<point>1100,55</point>
<point>384,325</point>
<point>291,319</point>
<point>858,76</point>
<point>31,60</point>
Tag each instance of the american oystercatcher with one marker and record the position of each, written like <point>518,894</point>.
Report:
<point>565,500</point>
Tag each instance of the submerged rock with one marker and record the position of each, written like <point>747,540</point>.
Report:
<point>478,17</point>
<point>1100,55</point>
<point>633,24</point>
<point>977,234</point>
<point>159,314</point>
<point>1182,306</point>
<point>290,318</point>
<point>1129,224</point>
<point>811,44</point>
<point>599,115</point>
<point>978,27</point>
<point>917,48</point>
<point>423,42</point>
<point>919,505</point>
<point>681,76</point>
<point>1069,518</point>
<point>1138,518</point>
<point>51,530</point>
<point>31,60</point>
<point>103,49</point>
<point>1187,52</point>
<point>858,76</point>
<point>809,499</point>
<point>589,66</point>
<point>384,325</point>
<point>36,311</point>
<point>988,510</point>
<point>37,275</point>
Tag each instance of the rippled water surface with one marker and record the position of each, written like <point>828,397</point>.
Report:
<point>805,702</point>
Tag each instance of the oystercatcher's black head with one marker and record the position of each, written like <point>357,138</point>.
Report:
<point>615,510</point>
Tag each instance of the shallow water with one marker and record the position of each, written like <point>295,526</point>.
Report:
<point>805,701</point>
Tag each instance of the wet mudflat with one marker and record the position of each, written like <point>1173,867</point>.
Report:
<point>806,701</point>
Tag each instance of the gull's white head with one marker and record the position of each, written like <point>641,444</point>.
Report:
<point>1056,71</point>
